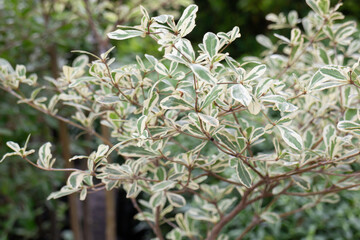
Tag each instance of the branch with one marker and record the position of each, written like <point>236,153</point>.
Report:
<point>67,121</point>
<point>331,189</point>
<point>157,224</point>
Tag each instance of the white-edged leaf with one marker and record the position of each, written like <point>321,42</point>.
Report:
<point>78,157</point>
<point>211,44</point>
<point>121,34</point>
<point>301,181</point>
<point>292,138</point>
<point>9,155</point>
<point>265,41</point>
<point>186,22</point>
<point>83,194</point>
<point>242,172</point>
<point>141,123</point>
<point>211,96</point>
<point>101,151</point>
<point>45,157</point>
<point>256,72</point>
<point>75,179</point>
<point>80,61</point>
<point>164,185</point>
<point>176,200</point>
<point>349,126</point>
<point>13,145</point>
<point>150,103</point>
<point>333,73</point>
<point>175,102</point>
<point>209,119</point>
<point>108,99</point>
<point>270,217</point>
<point>202,73</point>
<point>64,191</point>
<point>240,94</point>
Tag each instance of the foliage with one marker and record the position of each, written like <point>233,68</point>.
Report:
<point>187,124</point>
<point>49,31</point>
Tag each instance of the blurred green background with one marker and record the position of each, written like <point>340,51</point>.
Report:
<point>32,31</point>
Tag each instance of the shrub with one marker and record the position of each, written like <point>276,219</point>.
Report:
<point>192,125</point>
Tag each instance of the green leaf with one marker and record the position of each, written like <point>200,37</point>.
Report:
<point>176,200</point>
<point>292,138</point>
<point>175,102</point>
<point>121,34</point>
<point>211,44</point>
<point>202,73</point>
<point>240,94</point>
<point>186,22</point>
